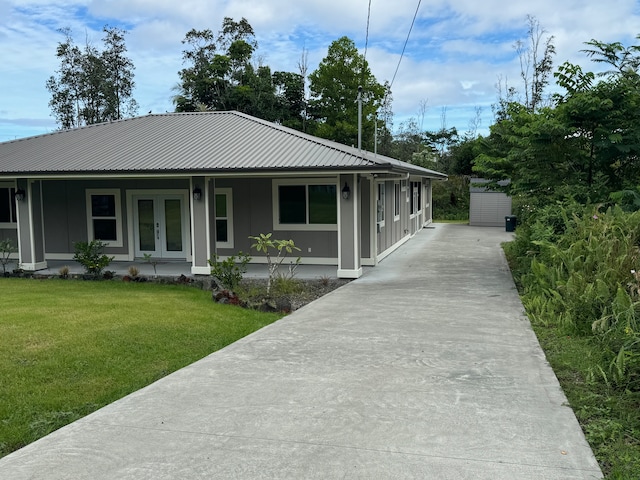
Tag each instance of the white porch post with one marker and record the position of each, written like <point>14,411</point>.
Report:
<point>349,224</point>
<point>30,226</point>
<point>200,226</point>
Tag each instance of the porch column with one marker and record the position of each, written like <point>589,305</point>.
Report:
<point>30,226</point>
<point>349,224</point>
<point>200,227</point>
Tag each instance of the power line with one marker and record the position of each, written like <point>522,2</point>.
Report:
<point>366,43</point>
<point>405,42</point>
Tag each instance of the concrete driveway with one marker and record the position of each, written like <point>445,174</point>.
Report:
<point>426,367</point>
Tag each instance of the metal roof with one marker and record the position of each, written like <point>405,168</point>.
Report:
<point>205,143</point>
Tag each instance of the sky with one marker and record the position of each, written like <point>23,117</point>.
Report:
<point>457,52</point>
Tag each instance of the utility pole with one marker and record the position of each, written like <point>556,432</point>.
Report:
<point>359,117</point>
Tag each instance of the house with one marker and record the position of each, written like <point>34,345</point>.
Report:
<point>184,186</point>
<point>487,208</point>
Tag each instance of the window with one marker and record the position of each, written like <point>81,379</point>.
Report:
<point>380,204</point>
<point>224,218</point>
<point>7,205</point>
<point>396,201</point>
<point>416,196</point>
<point>305,206</point>
<point>104,216</point>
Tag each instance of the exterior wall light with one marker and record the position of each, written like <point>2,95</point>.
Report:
<point>19,195</point>
<point>346,191</point>
<point>197,193</point>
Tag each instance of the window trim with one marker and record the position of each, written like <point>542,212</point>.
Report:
<point>415,207</point>
<point>396,201</point>
<point>276,183</point>
<point>116,193</point>
<point>381,194</point>
<point>227,192</point>
<point>10,225</point>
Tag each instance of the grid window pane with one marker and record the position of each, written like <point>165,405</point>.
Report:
<point>323,204</point>
<point>6,205</point>
<point>222,232</point>
<point>104,229</point>
<point>103,206</point>
<point>221,205</point>
<point>292,203</point>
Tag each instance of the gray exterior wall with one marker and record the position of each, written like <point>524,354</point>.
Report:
<point>65,209</point>
<point>252,215</point>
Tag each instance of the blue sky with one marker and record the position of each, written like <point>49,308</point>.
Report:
<point>457,51</point>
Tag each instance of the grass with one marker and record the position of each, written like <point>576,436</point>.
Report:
<point>70,347</point>
<point>457,222</point>
<point>609,417</point>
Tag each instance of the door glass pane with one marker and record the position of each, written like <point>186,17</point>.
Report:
<point>146,226</point>
<point>173,225</point>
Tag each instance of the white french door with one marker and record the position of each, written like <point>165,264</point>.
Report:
<point>159,226</point>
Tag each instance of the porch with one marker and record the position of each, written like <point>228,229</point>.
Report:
<point>168,269</point>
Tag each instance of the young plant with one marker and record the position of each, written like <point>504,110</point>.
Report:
<point>265,244</point>
<point>63,272</point>
<point>229,272</point>
<point>133,271</point>
<point>6,249</point>
<point>153,262</point>
<point>91,256</point>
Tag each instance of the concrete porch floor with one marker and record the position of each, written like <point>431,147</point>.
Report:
<point>177,268</point>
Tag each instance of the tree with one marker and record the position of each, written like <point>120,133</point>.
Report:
<point>92,86</point>
<point>119,75</point>
<point>536,62</point>
<point>334,91</point>
<point>221,75</point>
<point>586,146</point>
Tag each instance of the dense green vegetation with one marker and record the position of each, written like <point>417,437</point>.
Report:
<point>71,347</point>
<point>578,269</point>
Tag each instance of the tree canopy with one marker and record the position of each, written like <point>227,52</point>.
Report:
<point>222,74</point>
<point>585,145</point>
<point>334,88</point>
<point>92,86</point>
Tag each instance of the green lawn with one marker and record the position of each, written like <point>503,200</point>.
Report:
<point>70,347</point>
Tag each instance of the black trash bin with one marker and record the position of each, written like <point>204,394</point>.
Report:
<point>510,222</point>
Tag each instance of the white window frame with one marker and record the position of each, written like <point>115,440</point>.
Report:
<point>9,186</point>
<point>116,193</point>
<point>276,183</point>
<point>381,189</point>
<point>227,192</point>
<point>417,205</point>
<point>396,201</point>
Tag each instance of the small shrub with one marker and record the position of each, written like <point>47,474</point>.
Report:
<point>63,272</point>
<point>133,271</point>
<point>229,272</point>
<point>265,244</point>
<point>6,249</point>
<point>91,256</point>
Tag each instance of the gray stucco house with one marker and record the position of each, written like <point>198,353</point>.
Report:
<point>185,186</point>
